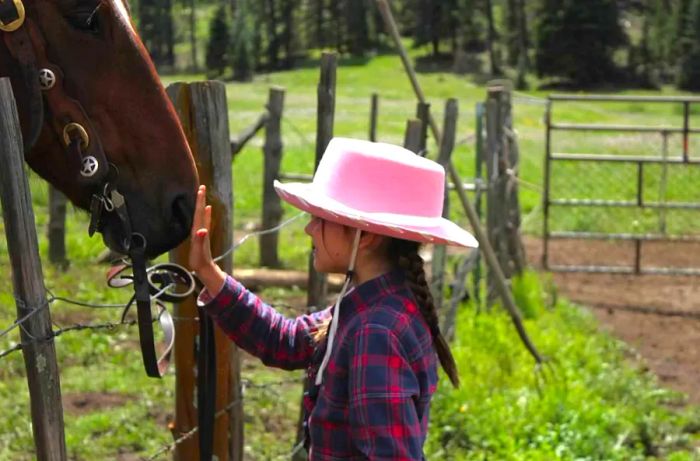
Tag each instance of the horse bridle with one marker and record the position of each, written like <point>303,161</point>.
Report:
<point>76,132</point>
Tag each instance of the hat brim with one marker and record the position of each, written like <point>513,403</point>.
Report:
<point>426,230</point>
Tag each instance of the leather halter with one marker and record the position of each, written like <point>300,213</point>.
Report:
<point>70,122</point>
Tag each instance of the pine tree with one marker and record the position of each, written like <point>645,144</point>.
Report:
<point>243,43</point>
<point>217,47</point>
<point>435,21</point>
<point>576,40</point>
<point>358,40</point>
<point>156,30</point>
<point>689,72</point>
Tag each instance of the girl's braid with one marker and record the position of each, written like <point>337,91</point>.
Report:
<point>405,254</point>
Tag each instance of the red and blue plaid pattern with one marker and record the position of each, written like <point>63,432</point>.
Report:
<point>375,398</point>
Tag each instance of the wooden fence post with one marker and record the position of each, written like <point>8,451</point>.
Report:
<point>272,151</point>
<point>204,116</point>
<point>446,147</point>
<point>423,114</point>
<point>36,334</point>
<point>373,113</point>
<point>478,200</point>
<point>57,228</point>
<point>318,283</point>
<point>324,133</point>
<point>503,214</point>
<point>412,136</point>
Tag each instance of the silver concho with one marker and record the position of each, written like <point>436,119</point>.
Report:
<point>90,166</point>
<point>47,79</point>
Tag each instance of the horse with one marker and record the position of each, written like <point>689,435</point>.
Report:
<point>96,121</point>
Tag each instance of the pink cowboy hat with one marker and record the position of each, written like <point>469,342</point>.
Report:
<point>380,188</point>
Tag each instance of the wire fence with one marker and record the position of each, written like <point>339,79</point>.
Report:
<point>57,331</point>
<point>247,384</point>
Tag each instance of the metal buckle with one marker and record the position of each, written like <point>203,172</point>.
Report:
<point>81,132</point>
<point>17,23</point>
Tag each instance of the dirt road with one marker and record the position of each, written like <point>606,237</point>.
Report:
<point>659,316</point>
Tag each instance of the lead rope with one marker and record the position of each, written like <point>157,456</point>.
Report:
<point>336,309</point>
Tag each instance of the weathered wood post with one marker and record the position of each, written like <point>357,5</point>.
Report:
<point>56,230</point>
<point>478,200</point>
<point>272,151</point>
<point>318,283</point>
<point>373,114</point>
<point>28,280</point>
<point>423,114</point>
<point>324,132</point>
<point>204,116</point>
<point>446,147</point>
<point>412,135</point>
<point>503,213</point>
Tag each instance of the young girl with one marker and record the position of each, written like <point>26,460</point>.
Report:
<point>372,357</point>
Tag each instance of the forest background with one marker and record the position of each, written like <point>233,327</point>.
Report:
<point>549,43</point>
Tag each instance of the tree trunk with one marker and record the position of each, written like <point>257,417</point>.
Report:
<point>337,22</point>
<point>495,69</point>
<point>523,45</point>
<point>318,32</point>
<point>193,36</point>
<point>288,33</point>
<point>169,37</point>
<point>273,45</point>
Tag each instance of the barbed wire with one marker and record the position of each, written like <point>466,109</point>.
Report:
<point>258,233</point>
<point>31,313</point>
<point>300,134</point>
<point>529,99</point>
<point>100,326</point>
<point>245,383</point>
<point>62,330</point>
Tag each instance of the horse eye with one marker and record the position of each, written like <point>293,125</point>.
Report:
<point>86,21</point>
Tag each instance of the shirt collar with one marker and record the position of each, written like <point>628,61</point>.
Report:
<point>366,294</point>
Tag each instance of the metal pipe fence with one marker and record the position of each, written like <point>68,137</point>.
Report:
<point>643,186</point>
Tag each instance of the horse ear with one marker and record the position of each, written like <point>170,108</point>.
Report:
<point>126,5</point>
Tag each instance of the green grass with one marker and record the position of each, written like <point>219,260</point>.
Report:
<point>589,403</point>
<point>498,414</point>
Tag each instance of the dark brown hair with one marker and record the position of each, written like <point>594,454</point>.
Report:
<point>404,254</point>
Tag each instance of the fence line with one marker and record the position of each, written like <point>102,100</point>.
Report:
<point>236,401</point>
<point>324,89</point>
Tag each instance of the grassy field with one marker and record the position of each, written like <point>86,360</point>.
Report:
<point>598,407</point>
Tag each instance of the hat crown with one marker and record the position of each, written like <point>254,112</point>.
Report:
<point>376,177</point>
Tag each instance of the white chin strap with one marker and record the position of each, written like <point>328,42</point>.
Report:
<point>336,309</point>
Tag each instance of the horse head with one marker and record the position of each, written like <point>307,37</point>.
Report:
<point>96,120</point>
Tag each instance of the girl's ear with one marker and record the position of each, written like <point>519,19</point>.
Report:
<point>370,241</point>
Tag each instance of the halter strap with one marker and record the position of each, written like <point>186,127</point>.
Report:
<point>69,119</point>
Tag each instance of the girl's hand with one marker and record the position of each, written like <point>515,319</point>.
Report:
<point>200,259</point>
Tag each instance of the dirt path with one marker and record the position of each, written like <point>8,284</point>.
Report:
<point>669,344</point>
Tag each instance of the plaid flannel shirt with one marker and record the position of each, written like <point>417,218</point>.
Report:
<point>375,397</point>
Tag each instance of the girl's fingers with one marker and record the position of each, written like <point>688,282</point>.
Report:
<point>198,219</point>
<point>207,217</point>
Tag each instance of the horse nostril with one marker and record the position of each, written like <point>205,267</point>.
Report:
<point>182,210</point>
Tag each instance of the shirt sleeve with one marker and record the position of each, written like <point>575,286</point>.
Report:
<point>259,329</point>
<point>383,389</point>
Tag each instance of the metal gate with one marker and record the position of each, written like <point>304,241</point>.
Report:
<point>630,203</point>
